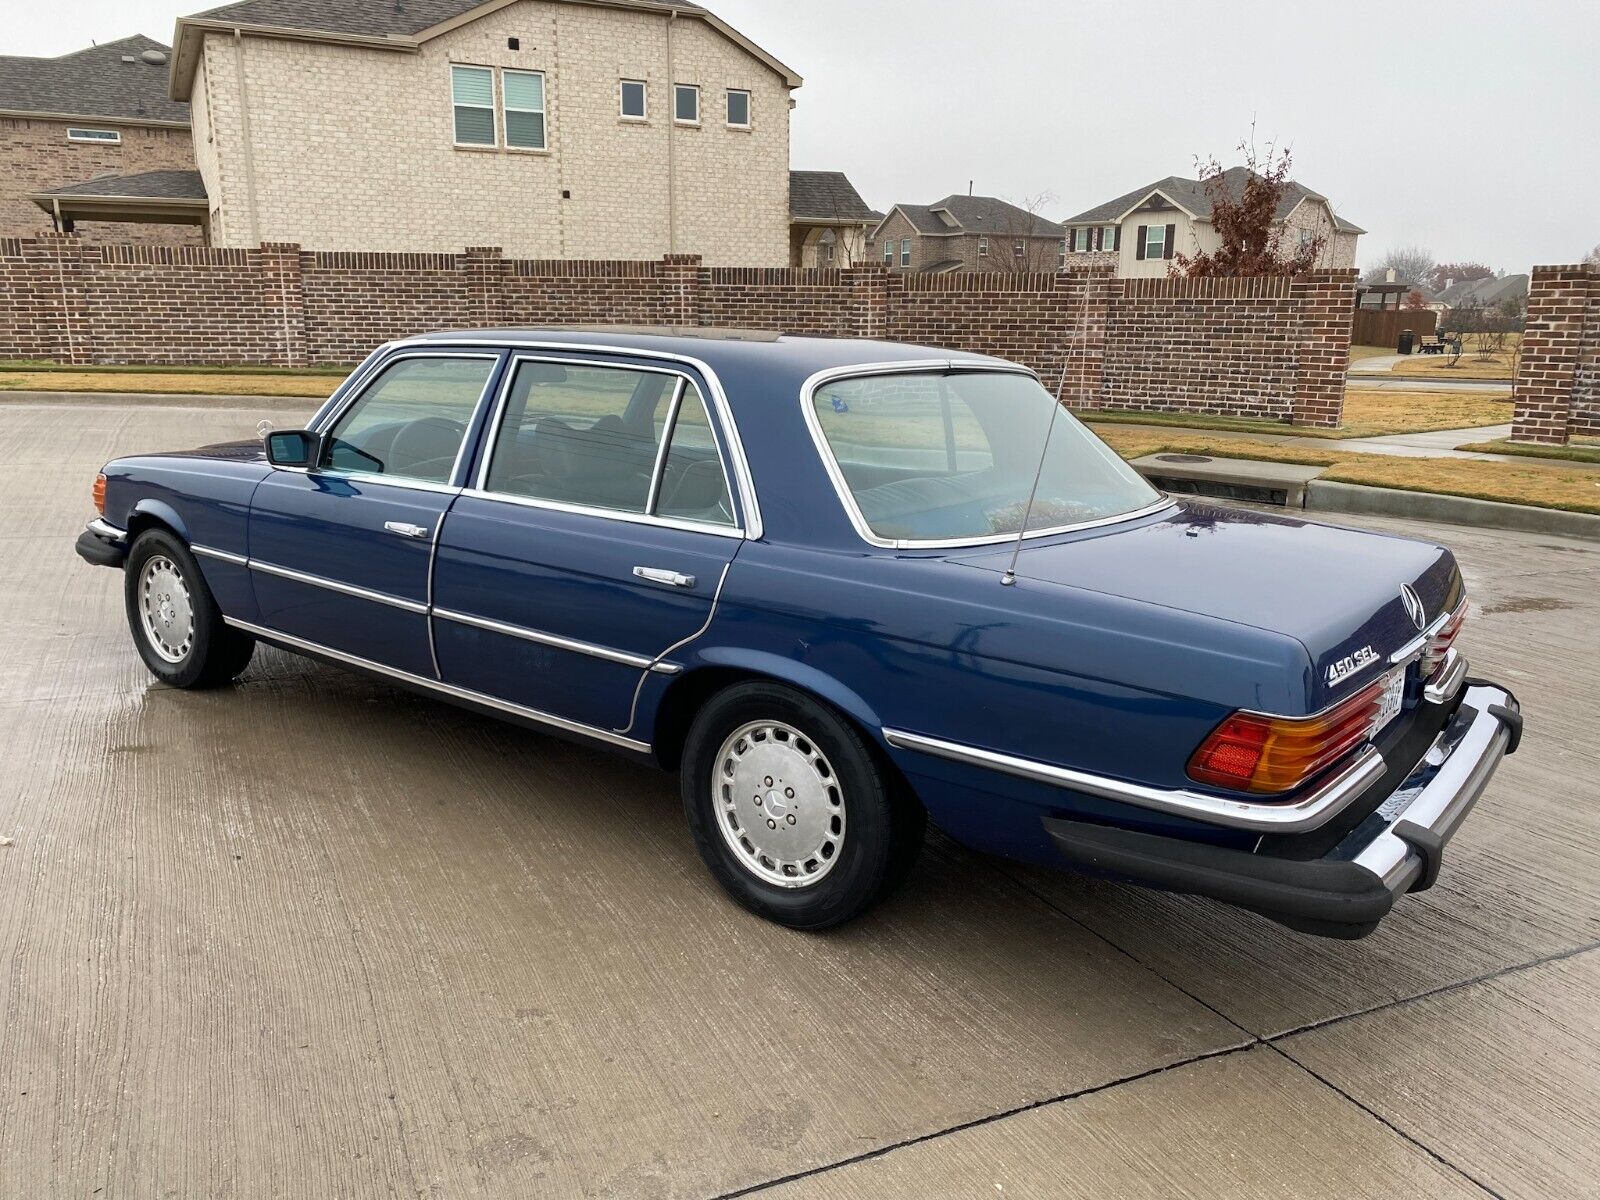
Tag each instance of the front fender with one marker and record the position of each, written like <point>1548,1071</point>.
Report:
<point>160,511</point>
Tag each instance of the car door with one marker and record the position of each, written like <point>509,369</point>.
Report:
<point>594,542</point>
<point>340,552</point>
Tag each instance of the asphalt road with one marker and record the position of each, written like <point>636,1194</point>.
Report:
<point>314,937</point>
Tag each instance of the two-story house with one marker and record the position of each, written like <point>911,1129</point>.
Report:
<point>1142,231</point>
<point>550,128</point>
<point>965,233</point>
<point>84,119</point>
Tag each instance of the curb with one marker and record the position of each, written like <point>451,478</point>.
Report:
<point>1326,496</point>
<point>166,400</point>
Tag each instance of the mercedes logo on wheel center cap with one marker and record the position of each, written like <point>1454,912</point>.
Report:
<point>1413,603</point>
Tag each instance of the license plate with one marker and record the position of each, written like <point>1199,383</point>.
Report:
<point>1394,693</point>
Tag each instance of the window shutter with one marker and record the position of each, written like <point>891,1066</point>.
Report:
<point>1139,246</point>
<point>1116,237</point>
<point>1172,236</point>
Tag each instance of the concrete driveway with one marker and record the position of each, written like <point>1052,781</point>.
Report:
<point>314,937</point>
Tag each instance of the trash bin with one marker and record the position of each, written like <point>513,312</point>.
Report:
<point>1408,342</point>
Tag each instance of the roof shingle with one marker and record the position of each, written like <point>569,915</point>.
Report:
<point>154,185</point>
<point>826,196</point>
<point>979,214</point>
<point>405,17</point>
<point>1192,196</point>
<point>93,83</point>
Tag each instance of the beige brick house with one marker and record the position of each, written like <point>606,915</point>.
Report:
<point>965,233</point>
<point>95,115</point>
<point>551,128</point>
<point>1142,231</point>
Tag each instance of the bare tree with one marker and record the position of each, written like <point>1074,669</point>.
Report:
<point>1411,264</point>
<point>1022,242</point>
<point>1593,257</point>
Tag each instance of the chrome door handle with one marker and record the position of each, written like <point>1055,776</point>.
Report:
<point>662,575</point>
<point>405,529</point>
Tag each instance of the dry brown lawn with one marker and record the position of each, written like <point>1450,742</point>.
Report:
<point>1470,366</point>
<point>1375,412</point>
<point>169,383</point>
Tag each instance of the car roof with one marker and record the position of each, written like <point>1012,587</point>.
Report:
<point>781,358</point>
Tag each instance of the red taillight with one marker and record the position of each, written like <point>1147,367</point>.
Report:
<point>1438,646</point>
<point>1252,752</point>
<point>99,494</point>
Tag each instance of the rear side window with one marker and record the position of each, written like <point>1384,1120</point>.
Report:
<point>410,421</point>
<point>609,438</point>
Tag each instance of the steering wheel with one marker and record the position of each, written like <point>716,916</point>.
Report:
<point>427,439</point>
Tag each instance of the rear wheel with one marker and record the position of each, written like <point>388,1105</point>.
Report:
<point>792,810</point>
<point>176,624</point>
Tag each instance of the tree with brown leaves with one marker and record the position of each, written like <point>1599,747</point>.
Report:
<point>1253,240</point>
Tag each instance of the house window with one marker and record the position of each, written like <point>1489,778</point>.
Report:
<point>686,103</point>
<point>472,90</point>
<point>1017,250</point>
<point>109,136</point>
<point>1108,238</point>
<point>634,100</point>
<point>1306,237</point>
<point>738,108</point>
<point>522,94</point>
<point>983,247</point>
<point>905,252</point>
<point>1061,254</point>
<point>1155,241</point>
<point>888,252</point>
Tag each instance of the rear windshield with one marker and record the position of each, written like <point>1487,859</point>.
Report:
<point>951,456</point>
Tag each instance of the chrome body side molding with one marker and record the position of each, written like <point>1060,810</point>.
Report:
<point>444,689</point>
<point>1318,807</point>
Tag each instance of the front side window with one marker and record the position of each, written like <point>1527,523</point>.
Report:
<point>1155,241</point>
<point>109,136</point>
<point>905,252</point>
<point>409,422</point>
<point>739,108</point>
<point>472,90</point>
<point>523,93</point>
<point>594,437</point>
<point>951,456</point>
<point>686,103</point>
<point>633,99</point>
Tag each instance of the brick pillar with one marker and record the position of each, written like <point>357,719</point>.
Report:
<point>59,317</point>
<point>1084,305</point>
<point>1326,304</point>
<point>684,281</point>
<point>283,295</point>
<point>1552,342</point>
<point>869,300</point>
<point>485,268</point>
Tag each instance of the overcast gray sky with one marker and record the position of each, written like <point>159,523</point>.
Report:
<point>1470,128</point>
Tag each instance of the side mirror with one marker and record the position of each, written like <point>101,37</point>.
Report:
<point>293,447</point>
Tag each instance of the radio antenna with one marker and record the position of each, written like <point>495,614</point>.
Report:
<point>1010,577</point>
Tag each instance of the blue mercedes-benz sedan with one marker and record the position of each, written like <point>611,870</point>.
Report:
<point>843,587</point>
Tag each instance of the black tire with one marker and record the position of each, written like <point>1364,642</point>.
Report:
<point>881,823</point>
<point>214,652</point>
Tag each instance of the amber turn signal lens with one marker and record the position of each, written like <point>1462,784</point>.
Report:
<point>1251,752</point>
<point>100,494</point>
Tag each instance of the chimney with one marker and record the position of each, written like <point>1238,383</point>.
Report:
<point>1449,283</point>
<point>1388,276</point>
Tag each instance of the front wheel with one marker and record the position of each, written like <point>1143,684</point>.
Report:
<point>176,624</point>
<point>792,810</point>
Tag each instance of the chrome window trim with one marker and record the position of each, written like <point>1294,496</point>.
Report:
<point>333,585</point>
<point>446,689</point>
<point>325,429</point>
<point>227,556</point>
<point>479,487</point>
<point>749,502</point>
<point>353,382</point>
<point>642,662</point>
<point>1311,811</point>
<point>841,486</point>
<point>658,468</point>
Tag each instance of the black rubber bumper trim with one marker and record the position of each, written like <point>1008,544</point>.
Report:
<point>1325,897</point>
<point>99,552</point>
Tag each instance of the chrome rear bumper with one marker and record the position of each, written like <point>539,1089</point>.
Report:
<point>1397,849</point>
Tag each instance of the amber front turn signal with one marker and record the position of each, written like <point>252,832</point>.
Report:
<point>99,493</point>
<point>1252,752</point>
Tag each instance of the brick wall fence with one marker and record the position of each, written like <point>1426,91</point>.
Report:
<point>1557,389</point>
<point>1269,348</point>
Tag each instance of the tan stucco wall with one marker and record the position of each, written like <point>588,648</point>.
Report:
<point>351,148</point>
